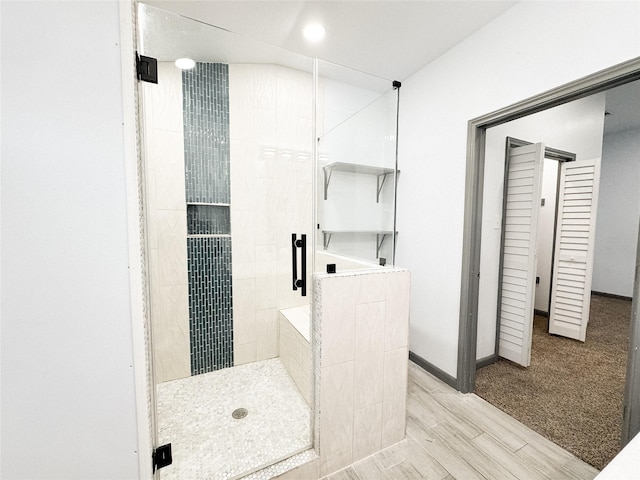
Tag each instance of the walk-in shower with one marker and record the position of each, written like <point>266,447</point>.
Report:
<point>238,166</point>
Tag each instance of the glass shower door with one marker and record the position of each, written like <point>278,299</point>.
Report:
<point>228,167</point>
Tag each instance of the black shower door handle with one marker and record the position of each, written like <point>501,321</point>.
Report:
<point>300,243</point>
<point>294,261</point>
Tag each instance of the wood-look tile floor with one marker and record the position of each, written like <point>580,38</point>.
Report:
<point>451,435</point>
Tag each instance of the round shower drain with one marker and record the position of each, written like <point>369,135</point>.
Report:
<point>239,413</point>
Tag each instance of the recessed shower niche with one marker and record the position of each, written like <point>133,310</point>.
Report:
<point>233,153</point>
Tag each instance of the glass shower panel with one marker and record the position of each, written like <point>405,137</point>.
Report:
<point>228,167</point>
<point>357,128</point>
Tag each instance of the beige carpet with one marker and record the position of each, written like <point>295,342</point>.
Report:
<point>572,392</point>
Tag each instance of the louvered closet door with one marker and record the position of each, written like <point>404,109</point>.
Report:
<point>524,179</point>
<point>573,262</point>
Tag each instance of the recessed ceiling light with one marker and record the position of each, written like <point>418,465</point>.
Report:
<point>314,32</point>
<point>185,63</point>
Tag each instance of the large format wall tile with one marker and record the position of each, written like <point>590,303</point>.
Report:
<point>172,368</point>
<point>171,305</point>
<point>367,431</point>
<point>362,382</point>
<point>169,170</point>
<point>266,333</point>
<point>244,311</point>
<point>336,417</point>
<point>172,247</point>
<point>166,108</point>
<point>395,396</point>
<point>166,225</point>
<point>295,354</point>
<point>271,170</point>
<point>338,320</point>
<point>396,334</point>
<point>369,353</point>
<point>244,353</point>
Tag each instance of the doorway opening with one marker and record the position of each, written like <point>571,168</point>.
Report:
<point>527,239</point>
<point>476,226</point>
<point>571,392</point>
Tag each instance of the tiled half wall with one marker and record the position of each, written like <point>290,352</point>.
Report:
<point>361,358</point>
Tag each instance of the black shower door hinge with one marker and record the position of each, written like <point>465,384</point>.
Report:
<point>161,457</point>
<point>147,68</point>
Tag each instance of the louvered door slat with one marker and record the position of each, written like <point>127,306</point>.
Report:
<point>515,309</point>
<point>575,233</point>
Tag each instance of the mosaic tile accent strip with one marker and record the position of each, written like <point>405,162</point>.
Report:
<point>205,91</point>
<point>208,220</point>
<point>210,305</point>
<point>195,416</point>
<point>316,352</point>
<point>279,468</point>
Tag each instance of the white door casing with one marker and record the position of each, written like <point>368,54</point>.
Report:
<point>515,309</point>
<point>575,236</point>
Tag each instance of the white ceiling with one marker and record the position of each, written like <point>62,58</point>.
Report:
<point>389,39</point>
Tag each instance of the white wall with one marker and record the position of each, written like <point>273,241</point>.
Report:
<point>531,48</point>
<point>68,407</point>
<point>618,214</point>
<point>575,127</point>
<point>546,227</point>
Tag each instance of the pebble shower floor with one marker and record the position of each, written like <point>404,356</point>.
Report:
<point>195,416</point>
